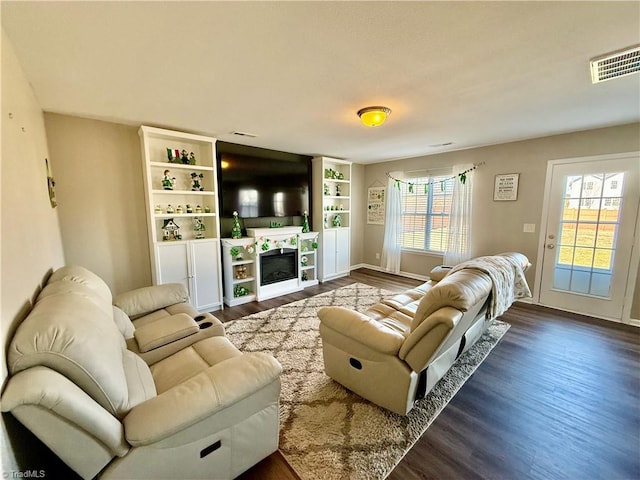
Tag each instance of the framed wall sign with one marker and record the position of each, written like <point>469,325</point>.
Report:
<point>375,206</point>
<point>506,186</point>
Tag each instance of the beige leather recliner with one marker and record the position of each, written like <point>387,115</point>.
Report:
<point>196,408</point>
<point>396,351</point>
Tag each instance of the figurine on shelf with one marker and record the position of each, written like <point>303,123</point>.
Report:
<point>158,209</point>
<point>192,159</point>
<point>189,208</point>
<point>196,184</point>
<point>198,228</point>
<point>337,221</point>
<point>184,157</point>
<point>305,277</point>
<point>170,209</point>
<point>199,209</point>
<point>179,209</point>
<point>236,231</point>
<point>168,181</point>
<point>170,230</point>
<point>337,190</point>
<point>326,189</point>
<point>207,209</point>
<point>303,261</point>
<point>305,222</point>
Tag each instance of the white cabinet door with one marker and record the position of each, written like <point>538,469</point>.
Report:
<point>196,265</point>
<point>172,263</point>
<point>328,249</point>
<point>343,247</point>
<point>205,272</point>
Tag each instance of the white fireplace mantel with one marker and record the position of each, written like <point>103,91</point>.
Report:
<point>266,232</point>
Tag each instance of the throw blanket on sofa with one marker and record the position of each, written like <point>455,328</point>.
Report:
<point>507,277</point>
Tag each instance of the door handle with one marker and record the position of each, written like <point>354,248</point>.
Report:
<point>550,246</point>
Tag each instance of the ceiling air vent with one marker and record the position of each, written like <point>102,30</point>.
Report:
<point>616,64</point>
<point>243,134</point>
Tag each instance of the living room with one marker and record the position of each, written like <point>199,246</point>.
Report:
<point>97,166</point>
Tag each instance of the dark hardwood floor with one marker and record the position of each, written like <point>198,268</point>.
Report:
<point>558,398</point>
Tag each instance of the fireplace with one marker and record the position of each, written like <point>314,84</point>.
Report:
<point>278,266</point>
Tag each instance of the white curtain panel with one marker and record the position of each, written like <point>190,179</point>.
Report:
<point>459,241</point>
<point>392,247</point>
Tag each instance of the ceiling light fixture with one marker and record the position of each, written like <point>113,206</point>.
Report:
<point>373,116</point>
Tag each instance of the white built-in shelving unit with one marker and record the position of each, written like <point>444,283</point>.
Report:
<point>332,215</point>
<point>192,256</point>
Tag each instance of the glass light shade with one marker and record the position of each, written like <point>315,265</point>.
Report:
<point>374,116</point>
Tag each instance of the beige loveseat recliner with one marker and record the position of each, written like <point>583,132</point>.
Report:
<point>195,407</point>
<point>396,351</point>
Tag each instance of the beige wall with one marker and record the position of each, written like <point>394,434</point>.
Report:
<point>358,215</point>
<point>101,196</point>
<point>497,226</point>
<point>31,241</point>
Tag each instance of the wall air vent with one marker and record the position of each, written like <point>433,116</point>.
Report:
<point>616,64</point>
<point>243,134</point>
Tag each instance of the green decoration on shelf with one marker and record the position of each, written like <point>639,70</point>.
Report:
<point>236,231</point>
<point>315,245</point>
<point>265,245</point>
<point>234,252</point>
<point>305,222</point>
<point>240,291</point>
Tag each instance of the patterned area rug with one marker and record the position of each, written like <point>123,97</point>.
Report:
<point>326,431</point>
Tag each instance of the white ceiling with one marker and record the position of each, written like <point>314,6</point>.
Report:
<point>295,73</point>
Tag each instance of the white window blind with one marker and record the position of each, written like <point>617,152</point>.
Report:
<point>426,206</point>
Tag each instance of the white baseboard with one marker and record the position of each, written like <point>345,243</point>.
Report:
<point>635,322</point>
<point>377,268</point>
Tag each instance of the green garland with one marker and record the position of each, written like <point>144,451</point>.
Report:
<point>462,176</point>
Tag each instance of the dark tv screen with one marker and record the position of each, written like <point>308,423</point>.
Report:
<point>262,187</point>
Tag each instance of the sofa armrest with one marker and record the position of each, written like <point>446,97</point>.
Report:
<point>201,396</point>
<point>49,390</point>
<point>164,331</point>
<point>426,339</point>
<point>359,327</point>
<point>141,301</point>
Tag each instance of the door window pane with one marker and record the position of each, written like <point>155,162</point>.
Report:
<point>587,236</point>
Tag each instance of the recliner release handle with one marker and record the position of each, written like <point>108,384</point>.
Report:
<point>210,449</point>
<point>355,363</point>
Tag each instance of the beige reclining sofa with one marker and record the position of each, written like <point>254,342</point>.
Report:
<point>165,395</point>
<point>396,351</point>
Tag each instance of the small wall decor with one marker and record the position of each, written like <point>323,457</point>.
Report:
<point>375,205</point>
<point>51,185</point>
<point>506,187</point>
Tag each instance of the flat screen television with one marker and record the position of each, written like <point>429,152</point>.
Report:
<point>263,187</point>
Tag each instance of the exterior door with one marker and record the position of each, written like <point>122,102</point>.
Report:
<point>592,209</point>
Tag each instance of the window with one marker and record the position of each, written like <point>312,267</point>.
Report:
<point>426,206</point>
